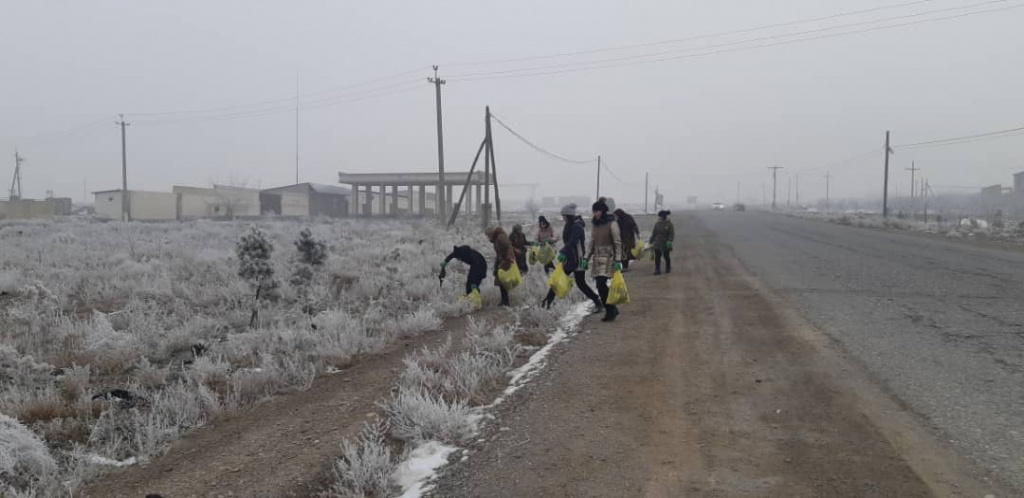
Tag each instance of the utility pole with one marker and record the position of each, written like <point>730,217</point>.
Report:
<point>775,182</point>
<point>442,206</point>
<point>912,169</point>
<point>737,192</point>
<point>647,189</point>
<point>297,127</point>
<point>598,178</point>
<point>125,204</point>
<point>828,176</point>
<point>885,187</point>
<point>494,168</point>
<point>789,193</point>
<point>15,192</point>
<point>798,190</point>
<point>486,218</point>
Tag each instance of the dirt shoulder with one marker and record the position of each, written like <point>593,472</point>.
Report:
<point>706,386</point>
<point>280,448</point>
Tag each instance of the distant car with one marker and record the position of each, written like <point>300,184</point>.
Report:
<point>718,206</point>
<point>739,206</point>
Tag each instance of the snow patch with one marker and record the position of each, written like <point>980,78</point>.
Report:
<point>109,462</point>
<point>523,374</point>
<point>414,475</point>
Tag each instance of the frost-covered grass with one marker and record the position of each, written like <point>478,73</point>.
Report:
<point>116,339</point>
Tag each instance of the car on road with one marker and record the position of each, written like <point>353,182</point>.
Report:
<point>739,206</point>
<point>718,206</point>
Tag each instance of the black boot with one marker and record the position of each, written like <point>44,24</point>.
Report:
<point>598,306</point>
<point>611,313</point>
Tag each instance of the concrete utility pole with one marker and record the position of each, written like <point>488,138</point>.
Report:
<point>912,169</point>
<point>647,189</point>
<point>125,204</point>
<point>598,196</point>
<point>789,193</point>
<point>775,182</point>
<point>885,187</point>
<point>297,127</point>
<point>441,201</point>
<point>828,176</point>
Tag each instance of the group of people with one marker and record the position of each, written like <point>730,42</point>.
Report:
<point>613,236</point>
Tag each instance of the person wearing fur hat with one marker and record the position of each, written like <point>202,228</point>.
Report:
<point>519,244</point>
<point>662,236</point>
<point>604,256</point>
<point>630,231</point>
<point>574,239</point>
<point>505,256</point>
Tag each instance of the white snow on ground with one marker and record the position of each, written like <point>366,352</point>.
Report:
<point>523,374</point>
<point>102,460</point>
<point>415,473</point>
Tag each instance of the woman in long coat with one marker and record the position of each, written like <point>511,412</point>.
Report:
<point>504,257</point>
<point>604,256</point>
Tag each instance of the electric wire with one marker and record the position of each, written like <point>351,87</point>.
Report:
<point>961,139</point>
<point>538,148</point>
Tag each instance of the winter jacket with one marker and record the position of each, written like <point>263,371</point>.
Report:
<point>546,235</point>
<point>605,246</point>
<point>519,243</point>
<point>629,230</point>
<point>476,261</point>
<point>574,238</point>
<point>504,253</point>
<point>663,233</point>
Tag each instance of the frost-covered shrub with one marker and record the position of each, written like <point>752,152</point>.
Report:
<point>364,468</point>
<point>416,416</point>
<point>25,462</point>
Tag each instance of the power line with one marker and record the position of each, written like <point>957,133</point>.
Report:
<point>538,148</point>
<point>279,100</point>
<point>50,136</point>
<point>604,164</point>
<point>631,61</point>
<point>962,139</point>
<point>690,38</point>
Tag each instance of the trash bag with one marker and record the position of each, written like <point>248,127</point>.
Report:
<point>510,278</point>
<point>638,250</point>
<point>475,298</point>
<point>617,292</point>
<point>560,282</point>
<point>546,254</point>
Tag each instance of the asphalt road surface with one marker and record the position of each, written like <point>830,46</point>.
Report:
<point>780,358</point>
<point>939,324</point>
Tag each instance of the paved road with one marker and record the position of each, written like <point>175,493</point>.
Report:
<point>710,386</point>
<point>939,324</point>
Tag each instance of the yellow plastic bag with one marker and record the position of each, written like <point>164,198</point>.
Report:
<point>510,278</point>
<point>474,298</point>
<point>638,250</point>
<point>560,282</point>
<point>617,292</point>
<point>546,254</point>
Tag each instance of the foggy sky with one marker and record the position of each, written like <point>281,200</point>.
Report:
<point>698,125</point>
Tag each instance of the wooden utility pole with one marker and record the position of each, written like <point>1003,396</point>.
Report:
<point>598,196</point>
<point>912,169</point>
<point>441,201</point>
<point>885,187</point>
<point>486,218</point>
<point>126,214</point>
<point>494,168</point>
<point>775,182</point>
<point>297,128</point>
<point>15,192</point>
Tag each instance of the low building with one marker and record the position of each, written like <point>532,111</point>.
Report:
<point>1018,182</point>
<point>306,200</point>
<point>20,209</point>
<point>217,202</point>
<point>392,194</point>
<point>142,205</point>
<point>994,190</point>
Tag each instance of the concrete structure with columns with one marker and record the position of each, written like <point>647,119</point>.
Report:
<point>394,194</point>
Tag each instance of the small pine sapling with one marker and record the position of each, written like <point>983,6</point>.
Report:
<point>312,255</point>
<point>253,251</point>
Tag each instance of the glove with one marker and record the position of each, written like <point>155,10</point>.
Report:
<point>668,245</point>
<point>562,258</point>
<point>617,266</point>
<point>444,264</point>
<point>585,264</point>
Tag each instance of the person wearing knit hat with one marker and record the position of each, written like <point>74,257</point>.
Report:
<point>604,256</point>
<point>662,236</point>
<point>574,238</point>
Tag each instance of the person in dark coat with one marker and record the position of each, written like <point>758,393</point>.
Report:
<point>519,244</point>
<point>546,236</point>
<point>574,239</point>
<point>477,266</point>
<point>662,237</point>
<point>504,257</point>
<point>630,232</point>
